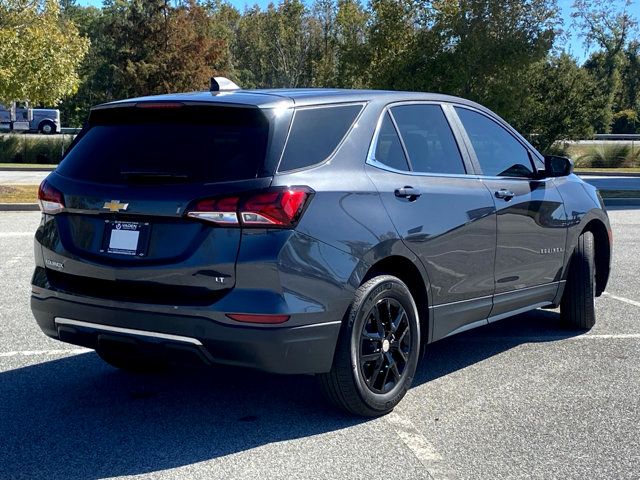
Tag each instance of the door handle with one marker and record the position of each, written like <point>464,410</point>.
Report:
<point>505,194</point>
<point>407,192</point>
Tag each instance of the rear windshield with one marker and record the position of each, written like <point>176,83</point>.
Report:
<point>164,145</point>
<point>315,134</point>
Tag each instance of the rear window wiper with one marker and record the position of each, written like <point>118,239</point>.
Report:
<point>154,176</point>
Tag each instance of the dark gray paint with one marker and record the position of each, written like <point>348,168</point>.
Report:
<point>480,258</point>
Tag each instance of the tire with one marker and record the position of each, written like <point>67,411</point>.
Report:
<point>363,380</point>
<point>577,308</point>
<point>129,360</point>
<point>47,127</point>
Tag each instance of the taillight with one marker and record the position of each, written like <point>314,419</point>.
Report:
<point>50,198</point>
<point>216,210</point>
<point>278,207</point>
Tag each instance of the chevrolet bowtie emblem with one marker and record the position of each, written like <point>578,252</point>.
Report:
<point>115,206</point>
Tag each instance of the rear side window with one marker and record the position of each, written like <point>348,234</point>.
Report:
<point>389,149</point>
<point>498,152</point>
<point>189,144</point>
<point>428,139</point>
<point>315,134</point>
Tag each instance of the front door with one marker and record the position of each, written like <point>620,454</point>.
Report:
<point>531,218</point>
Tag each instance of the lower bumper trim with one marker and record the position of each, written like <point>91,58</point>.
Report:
<point>128,331</point>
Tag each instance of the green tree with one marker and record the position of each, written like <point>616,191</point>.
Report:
<point>479,50</point>
<point>609,26</point>
<point>290,42</point>
<point>324,43</point>
<point>391,39</point>
<point>352,43</point>
<point>629,96</point>
<point>560,102</point>
<point>40,52</point>
<point>157,48</point>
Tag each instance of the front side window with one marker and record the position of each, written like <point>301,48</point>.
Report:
<point>498,152</point>
<point>428,139</point>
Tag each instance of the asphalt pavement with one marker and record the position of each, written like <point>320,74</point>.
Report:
<point>22,177</point>
<point>522,398</point>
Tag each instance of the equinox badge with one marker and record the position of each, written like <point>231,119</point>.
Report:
<point>115,206</point>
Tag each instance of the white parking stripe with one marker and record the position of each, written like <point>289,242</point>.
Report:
<point>40,353</point>
<point>546,338</point>
<point>621,299</point>
<point>16,234</point>
<point>604,335</point>
<point>418,445</point>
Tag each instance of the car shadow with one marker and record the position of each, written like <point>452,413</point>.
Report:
<point>76,417</point>
<point>460,351</point>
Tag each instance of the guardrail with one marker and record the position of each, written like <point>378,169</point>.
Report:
<point>617,136</point>
<point>70,131</point>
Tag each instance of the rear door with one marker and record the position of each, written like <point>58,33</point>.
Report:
<point>530,215</point>
<point>445,215</point>
<point>128,184</point>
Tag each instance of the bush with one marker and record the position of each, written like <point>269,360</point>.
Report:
<point>21,148</point>
<point>559,148</point>
<point>609,155</point>
<point>625,121</point>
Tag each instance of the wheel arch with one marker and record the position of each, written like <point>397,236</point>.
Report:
<point>602,244</point>
<point>407,271</point>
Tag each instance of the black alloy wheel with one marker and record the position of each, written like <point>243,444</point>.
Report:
<point>385,345</point>
<point>377,351</point>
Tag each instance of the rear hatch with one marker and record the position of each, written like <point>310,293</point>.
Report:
<point>127,185</point>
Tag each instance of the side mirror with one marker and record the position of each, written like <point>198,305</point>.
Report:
<point>555,166</point>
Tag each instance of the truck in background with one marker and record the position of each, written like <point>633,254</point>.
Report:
<point>43,120</point>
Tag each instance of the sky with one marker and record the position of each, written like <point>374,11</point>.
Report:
<point>574,44</point>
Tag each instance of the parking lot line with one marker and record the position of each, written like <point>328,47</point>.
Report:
<point>547,338</point>
<point>16,234</point>
<point>39,353</point>
<point>418,445</point>
<point>622,299</point>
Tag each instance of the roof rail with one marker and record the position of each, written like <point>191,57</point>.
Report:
<point>222,84</point>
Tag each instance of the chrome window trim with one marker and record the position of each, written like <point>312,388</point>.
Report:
<point>371,160</point>
<point>128,331</point>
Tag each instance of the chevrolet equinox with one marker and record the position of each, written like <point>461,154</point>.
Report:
<point>315,231</point>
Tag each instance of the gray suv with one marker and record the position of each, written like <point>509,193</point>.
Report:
<point>315,231</point>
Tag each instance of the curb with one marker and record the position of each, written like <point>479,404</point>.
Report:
<point>621,202</point>
<point>607,174</point>
<point>21,169</point>
<point>19,207</point>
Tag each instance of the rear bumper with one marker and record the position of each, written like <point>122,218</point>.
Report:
<point>291,350</point>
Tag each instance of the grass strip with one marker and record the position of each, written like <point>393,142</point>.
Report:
<point>18,193</point>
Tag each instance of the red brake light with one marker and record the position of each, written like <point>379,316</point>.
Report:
<point>159,105</point>
<point>257,318</point>
<point>274,207</point>
<point>277,207</point>
<point>50,198</point>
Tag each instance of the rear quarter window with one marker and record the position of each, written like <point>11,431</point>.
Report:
<point>315,133</point>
